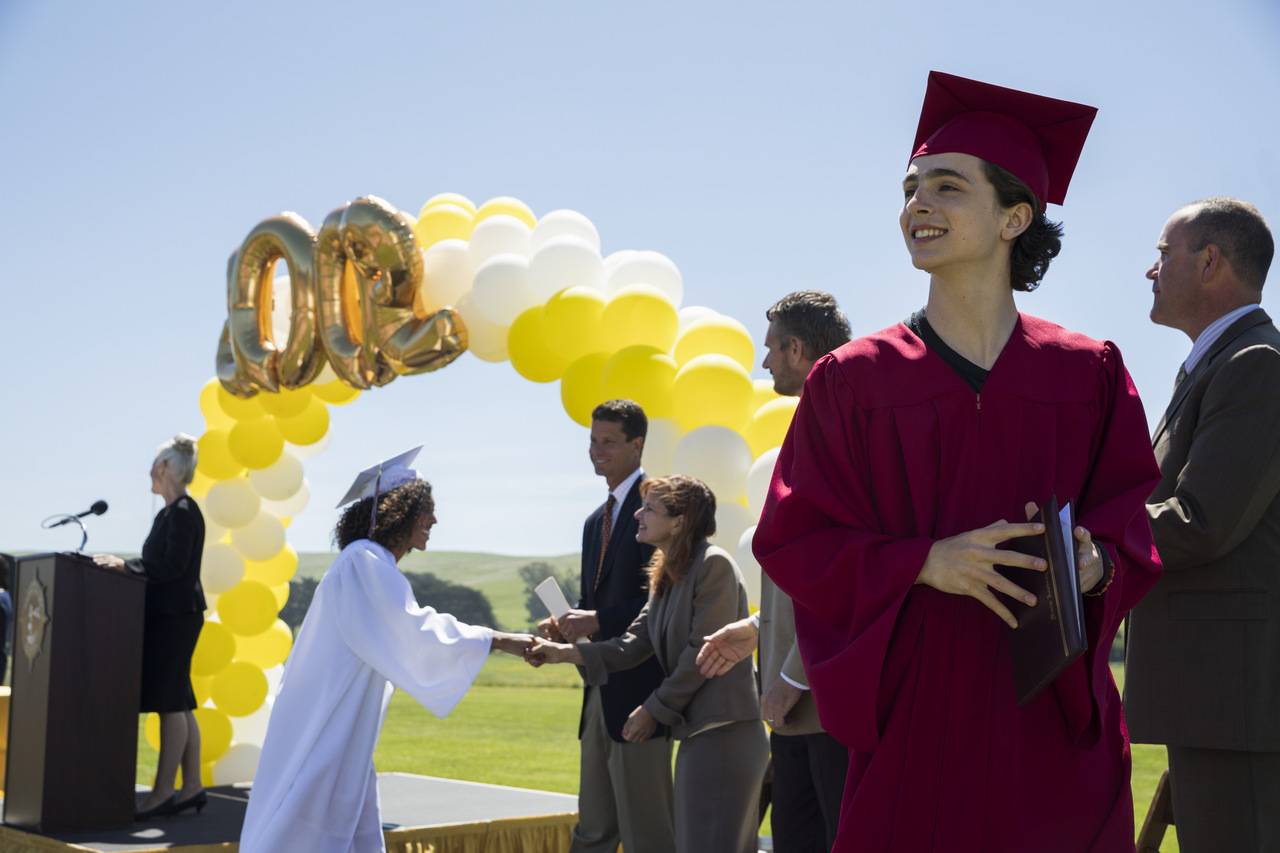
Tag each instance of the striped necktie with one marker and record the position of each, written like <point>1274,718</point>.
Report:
<point>605,532</point>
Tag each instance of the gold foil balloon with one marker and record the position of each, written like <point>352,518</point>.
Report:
<point>258,357</point>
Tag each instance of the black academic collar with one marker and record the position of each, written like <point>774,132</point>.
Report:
<point>974,375</point>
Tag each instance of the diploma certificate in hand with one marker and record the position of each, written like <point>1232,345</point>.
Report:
<point>552,597</point>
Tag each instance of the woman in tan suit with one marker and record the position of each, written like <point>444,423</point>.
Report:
<point>695,588</point>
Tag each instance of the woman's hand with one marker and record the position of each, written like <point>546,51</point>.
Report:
<point>109,561</point>
<point>965,565</point>
<point>639,727</point>
<point>724,649</point>
<point>545,651</point>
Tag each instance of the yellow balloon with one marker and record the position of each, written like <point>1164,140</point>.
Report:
<point>763,393</point>
<point>455,199</point>
<point>768,426</point>
<point>267,649</point>
<point>712,335</point>
<point>214,649</point>
<point>712,390</point>
<point>443,222</point>
<point>240,689</point>
<point>214,415</point>
<point>248,608</point>
<point>215,734</point>
<point>642,374</point>
<point>200,484</point>
<point>640,314</point>
<point>201,685</point>
<point>572,323</point>
<point>508,205</point>
<point>213,456</point>
<point>335,393</point>
<point>582,387</point>
<point>527,346</point>
<point>151,731</point>
<point>238,408</point>
<point>256,443</point>
<point>286,402</point>
<point>275,571</point>
<point>308,427</point>
<point>281,592</point>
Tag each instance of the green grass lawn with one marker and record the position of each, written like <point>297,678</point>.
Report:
<point>518,726</point>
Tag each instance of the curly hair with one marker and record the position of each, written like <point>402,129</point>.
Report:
<point>398,510</point>
<point>1035,247</point>
<point>692,499</point>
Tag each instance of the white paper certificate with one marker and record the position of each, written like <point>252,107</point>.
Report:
<point>552,597</point>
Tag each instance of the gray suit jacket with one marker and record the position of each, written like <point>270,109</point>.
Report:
<point>779,655</point>
<point>671,627</point>
<point>1203,658</point>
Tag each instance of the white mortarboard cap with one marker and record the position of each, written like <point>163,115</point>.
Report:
<point>383,477</point>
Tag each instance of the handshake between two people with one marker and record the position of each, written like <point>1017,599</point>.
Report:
<point>557,638</point>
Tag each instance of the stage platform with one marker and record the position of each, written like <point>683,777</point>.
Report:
<point>420,814</point>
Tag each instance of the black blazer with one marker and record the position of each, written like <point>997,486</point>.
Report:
<point>171,560</point>
<point>623,592</point>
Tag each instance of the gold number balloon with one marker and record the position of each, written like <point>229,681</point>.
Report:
<point>353,290</point>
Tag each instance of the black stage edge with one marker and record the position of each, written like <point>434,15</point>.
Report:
<point>408,801</point>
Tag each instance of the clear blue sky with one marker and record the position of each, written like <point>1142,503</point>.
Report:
<point>759,145</point>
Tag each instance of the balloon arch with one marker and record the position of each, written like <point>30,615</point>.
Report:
<point>376,294</point>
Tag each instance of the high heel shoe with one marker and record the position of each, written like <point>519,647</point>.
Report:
<point>159,810</point>
<point>198,802</point>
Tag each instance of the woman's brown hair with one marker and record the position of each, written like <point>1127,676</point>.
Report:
<point>690,499</point>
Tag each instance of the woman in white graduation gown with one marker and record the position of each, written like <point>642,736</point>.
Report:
<point>363,636</point>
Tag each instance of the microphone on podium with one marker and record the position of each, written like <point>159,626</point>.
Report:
<point>98,508</point>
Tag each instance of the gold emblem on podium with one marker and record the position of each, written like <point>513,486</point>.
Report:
<point>34,619</point>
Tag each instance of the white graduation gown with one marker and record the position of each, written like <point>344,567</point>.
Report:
<point>363,636</point>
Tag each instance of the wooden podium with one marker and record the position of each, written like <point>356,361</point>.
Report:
<point>73,718</point>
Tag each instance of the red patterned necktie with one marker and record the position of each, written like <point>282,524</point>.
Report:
<point>605,533</point>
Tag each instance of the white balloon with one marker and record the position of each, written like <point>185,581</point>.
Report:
<point>564,223</point>
<point>237,764</point>
<point>758,479</point>
<point>221,568</point>
<point>253,728</point>
<point>213,531</point>
<point>717,456</point>
<point>498,235</point>
<point>485,340</point>
<point>565,262</point>
<point>615,260</point>
<point>306,451</point>
<point>291,505</point>
<point>273,678</point>
<point>732,520</point>
<point>446,276</point>
<point>652,268</point>
<point>660,447</point>
<point>749,566</point>
<point>232,503</point>
<point>279,480</point>
<point>692,313</point>
<point>501,290</point>
<point>260,539</point>
<point>327,374</point>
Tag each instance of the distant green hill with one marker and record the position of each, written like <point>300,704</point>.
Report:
<point>493,574</point>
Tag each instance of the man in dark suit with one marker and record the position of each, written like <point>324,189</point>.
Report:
<point>1203,661</point>
<point>624,789</point>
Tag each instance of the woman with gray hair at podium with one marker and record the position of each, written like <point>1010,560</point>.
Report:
<point>174,616</point>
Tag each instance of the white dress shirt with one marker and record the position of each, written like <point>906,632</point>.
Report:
<point>620,495</point>
<point>1212,332</point>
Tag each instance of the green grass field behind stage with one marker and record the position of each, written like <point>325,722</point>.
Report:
<point>518,726</point>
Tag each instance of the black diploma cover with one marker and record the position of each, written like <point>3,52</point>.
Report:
<point>1051,634</point>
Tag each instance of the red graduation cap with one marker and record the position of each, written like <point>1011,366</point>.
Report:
<point>1037,139</point>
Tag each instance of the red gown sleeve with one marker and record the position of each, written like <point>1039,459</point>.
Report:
<point>820,540</point>
<point>1112,507</point>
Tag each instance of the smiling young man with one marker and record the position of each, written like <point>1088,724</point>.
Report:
<point>915,454</point>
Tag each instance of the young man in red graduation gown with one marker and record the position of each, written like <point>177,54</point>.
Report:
<point>916,454</point>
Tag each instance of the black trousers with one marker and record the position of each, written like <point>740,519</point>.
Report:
<point>808,784</point>
<point>1225,800</point>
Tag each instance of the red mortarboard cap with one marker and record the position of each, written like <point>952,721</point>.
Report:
<point>1037,139</point>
